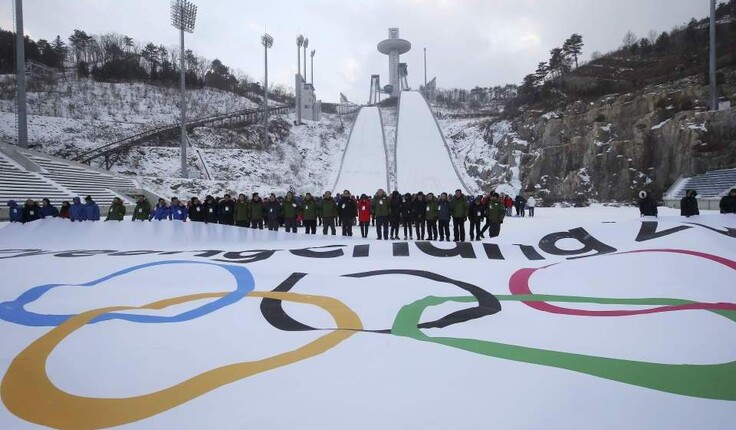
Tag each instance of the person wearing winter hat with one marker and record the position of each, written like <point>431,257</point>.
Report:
<point>728,202</point>
<point>647,205</point>
<point>76,211</point>
<point>689,204</point>
<point>92,211</point>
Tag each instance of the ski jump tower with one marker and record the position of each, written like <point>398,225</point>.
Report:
<point>394,47</point>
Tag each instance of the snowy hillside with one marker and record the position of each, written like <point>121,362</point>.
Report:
<point>305,159</point>
<point>135,103</point>
<point>476,144</point>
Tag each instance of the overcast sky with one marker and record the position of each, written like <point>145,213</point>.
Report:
<point>469,42</point>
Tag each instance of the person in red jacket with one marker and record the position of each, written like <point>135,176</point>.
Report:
<point>508,202</point>
<point>364,214</point>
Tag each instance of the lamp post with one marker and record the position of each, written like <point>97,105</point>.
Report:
<point>183,17</point>
<point>306,43</point>
<point>20,76</point>
<point>311,74</point>
<point>267,42</point>
<point>713,83</point>
<point>298,80</point>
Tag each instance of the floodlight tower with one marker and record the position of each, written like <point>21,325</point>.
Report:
<point>20,76</point>
<point>298,79</point>
<point>394,47</point>
<point>306,44</point>
<point>712,61</point>
<point>267,41</point>
<point>183,16</point>
<point>311,75</point>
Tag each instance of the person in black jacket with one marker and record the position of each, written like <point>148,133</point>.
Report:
<point>647,205</point>
<point>348,210</point>
<point>689,204</point>
<point>395,215</point>
<point>226,210</point>
<point>728,203</point>
<point>196,213</point>
<point>31,211</point>
<point>519,204</point>
<point>407,216</point>
<point>476,215</point>
<point>210,210</point>
<point>419,208</point>
<point>273,212</point>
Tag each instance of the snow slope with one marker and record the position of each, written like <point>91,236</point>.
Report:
<point>422,160</point>
<point>579,319</point>
<point>364,162</point>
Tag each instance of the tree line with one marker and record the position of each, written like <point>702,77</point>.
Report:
<point>113,57</point>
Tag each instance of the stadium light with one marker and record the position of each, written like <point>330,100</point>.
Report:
<point>306,43</point>
<point>20,76</point>
<point>712,60</point>
<point>183,17</point>
<point>298,79</point>
<point>311,75</point>
<point>267,41</point>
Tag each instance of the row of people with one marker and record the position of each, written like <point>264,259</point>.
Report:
<point>77,211</point>
<point>427,216</point>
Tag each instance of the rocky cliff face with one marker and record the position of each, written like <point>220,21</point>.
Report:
<point>612,148</point>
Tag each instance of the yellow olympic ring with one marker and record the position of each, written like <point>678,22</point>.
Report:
<point>28,392</point>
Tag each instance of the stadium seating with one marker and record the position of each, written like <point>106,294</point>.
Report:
<point>28,174</point>
<point>17,183</point>
<point>710,184</point>
<point>82,181</point>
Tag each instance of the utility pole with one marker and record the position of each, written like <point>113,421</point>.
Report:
<point>425,68</point>
<point>20,77</point>
<point>713,83</point>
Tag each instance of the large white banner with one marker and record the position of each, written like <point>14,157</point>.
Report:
<point>168,325</point>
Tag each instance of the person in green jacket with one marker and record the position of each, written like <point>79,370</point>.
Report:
<point>496,213</point>
<point>431,217</point>
<point>241,213</point>
<point>256,212</point>
<point>116,211</point>
<point>309,211</point>
<point>290,210</point>
<point>459,215</point>
<point>381,208</point>
<point>142,209</point>
<point>328,213</point>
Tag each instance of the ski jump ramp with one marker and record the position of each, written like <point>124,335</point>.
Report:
<point>364,167</point>
<point>422,156</point>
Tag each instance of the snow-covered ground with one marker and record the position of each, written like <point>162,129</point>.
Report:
<point>577,319</point>
<point>422,161</point>
<point>364,163</point>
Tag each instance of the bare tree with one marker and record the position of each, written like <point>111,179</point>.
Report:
<point>630,39</point>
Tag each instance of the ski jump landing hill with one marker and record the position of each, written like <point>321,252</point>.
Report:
<point>364,164</point>
<point>422,156</point>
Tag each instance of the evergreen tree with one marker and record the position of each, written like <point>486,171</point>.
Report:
<point>573,47</point>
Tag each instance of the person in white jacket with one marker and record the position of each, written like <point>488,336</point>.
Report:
<point>530,203</point>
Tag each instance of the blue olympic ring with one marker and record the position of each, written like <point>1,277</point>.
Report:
<point>15,312</point>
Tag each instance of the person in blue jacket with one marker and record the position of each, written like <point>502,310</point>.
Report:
<point>77,211</point>
<point>48,210</point>
<point>178,211</point>
<point>161,211</point>
<point>91,209</point>
<point>15,212</point>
